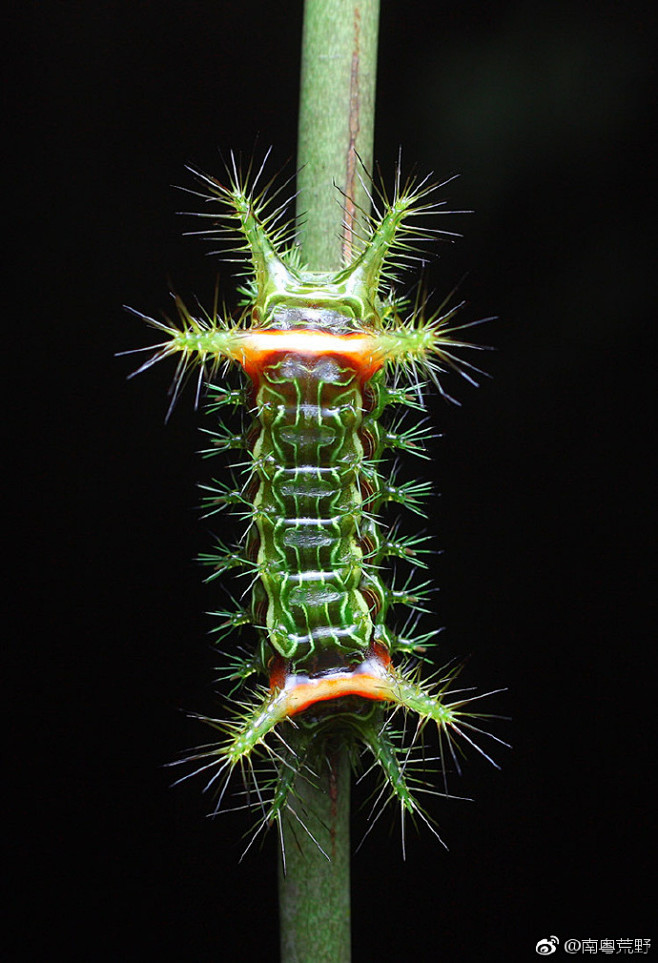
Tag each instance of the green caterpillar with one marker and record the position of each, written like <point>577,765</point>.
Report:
<point>323,358</point>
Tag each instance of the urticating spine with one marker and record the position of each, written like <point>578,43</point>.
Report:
<point>322,356</point>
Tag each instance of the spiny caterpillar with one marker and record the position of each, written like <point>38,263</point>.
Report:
<point>323,357</point>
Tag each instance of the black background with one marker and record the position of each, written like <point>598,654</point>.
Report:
<point>545,474</point>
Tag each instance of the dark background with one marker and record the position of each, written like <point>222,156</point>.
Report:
<point>545,474</point>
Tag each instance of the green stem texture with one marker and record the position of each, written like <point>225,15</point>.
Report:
<point>336,128</point>
<point>336,123</point>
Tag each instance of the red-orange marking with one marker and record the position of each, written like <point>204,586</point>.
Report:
<point>360,351</point>
<point>306,694</point>
<point>278,667</point>
<point>301,695</point>
<point>381,653</point>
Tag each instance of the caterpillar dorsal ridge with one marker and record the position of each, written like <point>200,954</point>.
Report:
<point>323,358</point>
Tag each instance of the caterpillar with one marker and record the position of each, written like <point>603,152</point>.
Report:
<point>323,359</point>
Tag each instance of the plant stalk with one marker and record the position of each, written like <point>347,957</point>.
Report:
<point>336,125</point>
<point>336,135</point>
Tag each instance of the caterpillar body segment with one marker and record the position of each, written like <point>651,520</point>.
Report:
<point>324,358</point>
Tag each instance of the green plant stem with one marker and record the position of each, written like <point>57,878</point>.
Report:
<point>336,128</point>
<point>336,123</point>
<point>314,893</point>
